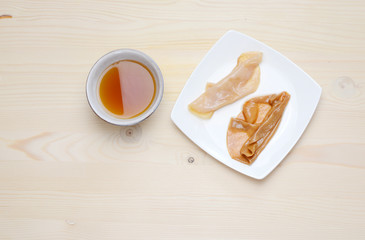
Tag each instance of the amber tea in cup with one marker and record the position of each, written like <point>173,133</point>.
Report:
<point>124,87</point>
<point>127,88</point>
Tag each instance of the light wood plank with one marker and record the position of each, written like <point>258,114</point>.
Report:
<point>66,174</point>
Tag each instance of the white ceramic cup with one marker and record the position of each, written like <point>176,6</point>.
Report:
<point>103,63</point>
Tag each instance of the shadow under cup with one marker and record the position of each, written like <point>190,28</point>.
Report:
<point>96,73</point>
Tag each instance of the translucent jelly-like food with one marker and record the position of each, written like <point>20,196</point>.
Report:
<point>243,80</point>
<point>249,133</point>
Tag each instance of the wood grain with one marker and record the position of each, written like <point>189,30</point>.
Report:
<point>66,174</point>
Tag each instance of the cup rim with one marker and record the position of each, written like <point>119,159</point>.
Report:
<point>123,54</point>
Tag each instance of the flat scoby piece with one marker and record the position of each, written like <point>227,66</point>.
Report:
<point>249,133</point>
<point>243,80</point>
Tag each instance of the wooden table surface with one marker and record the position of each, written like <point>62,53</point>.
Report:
<point>66,174</point>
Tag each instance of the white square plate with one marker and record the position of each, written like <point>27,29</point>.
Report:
<point>278,74</point>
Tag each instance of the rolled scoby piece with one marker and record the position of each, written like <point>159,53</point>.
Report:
<point>243,80</point>
<point>249,133</point>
